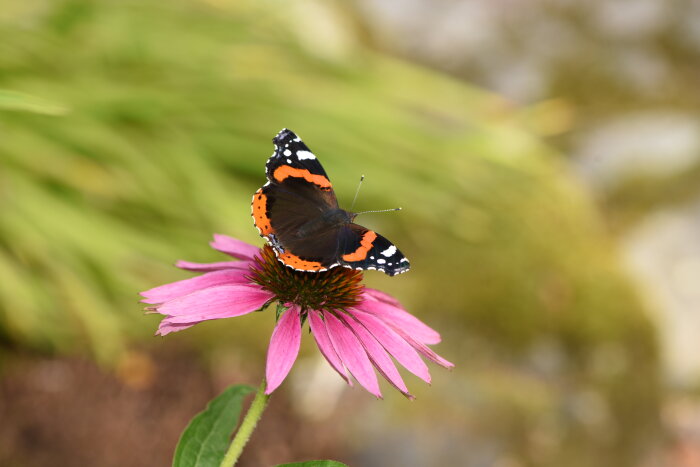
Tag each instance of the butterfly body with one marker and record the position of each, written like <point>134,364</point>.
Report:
<point>328,220</point>
<point>297,212</point>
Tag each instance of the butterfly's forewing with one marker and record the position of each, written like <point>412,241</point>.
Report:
<point>362,248</point>
<point>293,159</point>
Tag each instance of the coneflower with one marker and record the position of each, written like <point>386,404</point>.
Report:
<point>356,328</point>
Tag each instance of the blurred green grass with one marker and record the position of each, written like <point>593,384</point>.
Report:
<point>133,130</point>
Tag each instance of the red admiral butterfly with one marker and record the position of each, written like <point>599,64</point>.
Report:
<point>298,214</point>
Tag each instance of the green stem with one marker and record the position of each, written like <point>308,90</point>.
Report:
<point>246,430</point>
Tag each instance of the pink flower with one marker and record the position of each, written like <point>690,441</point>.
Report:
<point>357,329</point>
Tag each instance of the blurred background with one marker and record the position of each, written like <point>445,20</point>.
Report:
<point>547,157</point>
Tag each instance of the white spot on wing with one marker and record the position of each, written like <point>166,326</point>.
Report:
<point>389,251</point>
<point>287,152</point>
<point>305,155</point>
<point>289,161</point>
<point>381,261</point>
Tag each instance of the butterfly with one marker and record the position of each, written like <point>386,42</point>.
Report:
<point>298,214</point>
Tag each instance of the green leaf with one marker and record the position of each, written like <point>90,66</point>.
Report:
<point>17,101</point>
<point>206,438</point>
<point>314,464</point>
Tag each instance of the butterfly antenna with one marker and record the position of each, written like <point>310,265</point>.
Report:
<point>357,192</point>
<point>380,210</point>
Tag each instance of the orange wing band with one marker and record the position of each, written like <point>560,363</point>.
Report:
<point>260,213</point>
<point>284,171</point>
<point>298,263</point>
<point>363,249</point>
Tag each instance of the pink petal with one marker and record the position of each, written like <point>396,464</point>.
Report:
<point>400,319</point>
<point>352,354</point>
<point>222,301</point>
<point>205,267</point>
<point>377,355</point>
<point>178,289</point>
<point>383,297</point>
<point>318,329</point>
<point>401,350</point>
<point>425,350</point>
<point>234,247</point>
<point>284,348</point>
<point>166,328</point>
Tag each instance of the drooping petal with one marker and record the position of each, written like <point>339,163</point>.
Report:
<point>352,354</point>
<point>401,350</point>
<point>178,289</point>
<point>401,319</point>
<point>325,346</point>
<point>236,248</point>
<point>428,352</point>
<point>284,348</point>
<point>222,301</point>
<point>218,266</point>
<point>166,327</point>
<point>377,355</point>
<point>383,297</point>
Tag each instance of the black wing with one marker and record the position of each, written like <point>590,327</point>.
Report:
<point>293,159</point>
<point>361,248</point>
<point>297,192</point>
